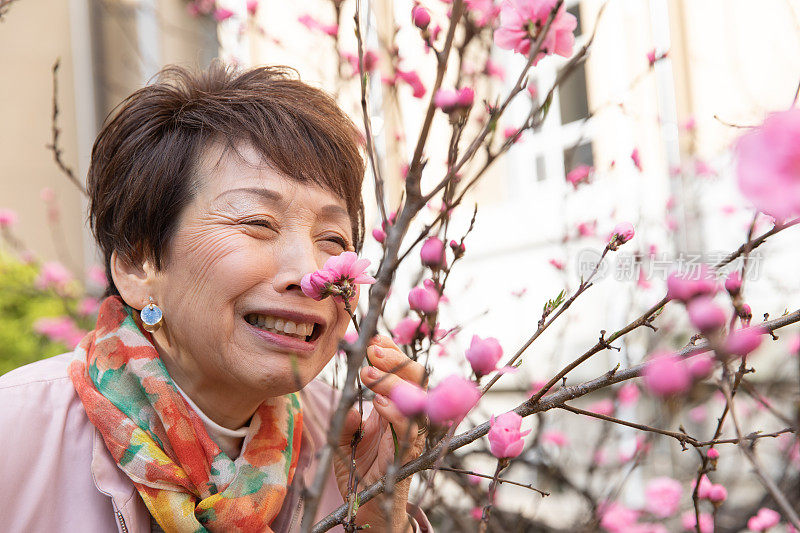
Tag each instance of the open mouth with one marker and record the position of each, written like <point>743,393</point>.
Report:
<point>305,331</point>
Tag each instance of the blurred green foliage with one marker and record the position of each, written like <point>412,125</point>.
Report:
<point>21,304</point>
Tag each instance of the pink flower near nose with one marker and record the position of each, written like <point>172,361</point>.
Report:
<point>666,375</point>
<point>451,399</point>
<point>337,277</point>
<point>409,399</point>
<point>423,299</point>
<point>483,355</point>
<point>432,253</point>
<point>705,315</point>
<point>505,437</point>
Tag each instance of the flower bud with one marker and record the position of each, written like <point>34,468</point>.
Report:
<point>705,315</point>
<point>734,283</point>
<point>483,355</point>
<point>432,253</point>
<point>421,17</point>
<point>423,299</point>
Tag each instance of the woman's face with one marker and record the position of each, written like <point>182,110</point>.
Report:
<point>236,322</point>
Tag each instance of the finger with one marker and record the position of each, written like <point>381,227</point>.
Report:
<point>379,381</point>
<point>405,428</point>
<point>384,341</point>
<point>396,362</point>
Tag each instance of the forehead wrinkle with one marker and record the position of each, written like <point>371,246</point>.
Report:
<point>266,196</point>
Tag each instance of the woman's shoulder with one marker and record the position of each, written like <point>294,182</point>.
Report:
<point>42,373</point>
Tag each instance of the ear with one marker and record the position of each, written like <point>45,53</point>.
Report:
<point>133,281</point>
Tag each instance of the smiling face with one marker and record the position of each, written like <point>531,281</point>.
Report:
<point>237,326</point>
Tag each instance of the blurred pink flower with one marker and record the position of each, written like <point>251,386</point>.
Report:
<point>88,306</point>
<point>495,70</point>
<point>412,79</point>
<point>602,407</point>
<point>483,355</point>
<point>558,265</point>
<point>637,161</point>
<point>666,375</point>
<point>8,218</point>
<point>405,330</point>
<point>452,399</point>
<point>587,229</point>
<point>421,17</point>
<point>717,494</point>
<point>743,341</point>
<point>763,520</point>
<point>340,274</point>
<point>483,11</point>
<point>222,13</point>
<point>522,20</point>
<point>700,366</point>
<point>505,438</point>
<point>536,386</point>
<point>371,60</point>
<point>704,488</point>
<point>409,399</point>
<point>684,286</point>
<point>53,275</point>
<point>689,522</point>
<point>705,314</point>
<point>313,24</point>
<point>651,56</point>
<point>698,414</point>
<point>62,329</point>
<point>424,299</point>
<point>580,174</point>
<point>555,437</point>
<point>663,497</point>
<point>379,235</point>
<point>628,394</point>
<point>252,6</point>
<point>733,283</point>
<point>769,164</point>
<point>476,513</point>
<point>432,253</point>
<point>616,518</point>
<point>97,276</point>
<point>451,100</point>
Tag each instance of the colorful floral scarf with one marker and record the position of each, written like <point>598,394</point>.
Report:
<point>186,481</point>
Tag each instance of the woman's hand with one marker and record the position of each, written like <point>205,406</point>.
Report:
<point>375,451</point>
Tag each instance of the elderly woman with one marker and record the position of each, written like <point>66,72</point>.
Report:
<point>193,405</point>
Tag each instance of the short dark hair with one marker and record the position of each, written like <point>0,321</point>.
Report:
<point>144,161</point>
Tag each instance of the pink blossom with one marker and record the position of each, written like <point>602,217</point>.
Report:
<point>580,174</point>
<point>701,366</point>
<point>494,70</point>
<point>532,90</point>
<point>8,218</point>
<point>602,407</point>
<point>704,488</point>
<point>647,527</point>
<point>409,398</point>
<point>616,518</point>
<point>313,24</point>
<point>745,314</point>
<point>483,354</point>
<point>338,277</point>
<point>689,522</point>
<point>522,20</point>
<point>432,253</point>
<point>763,520</point>
<point>555,437</point>
<point>663,496</point>
<point>473,479</point>
<point>62,329</point>
<point>769,164</point>
<point>628,394</point>
<point>483,11</point>
<point>505,437</point>
<point>370,59</point>
<point>421,17</point>
<point>252,6</point>
<point>705,314</point>
<point>651,57</point>
<point>623,232</point>
<point>587,229</point>
<point>689,124</point>
<point>743,341</point>
<point>476,513</point>
<point>424,299</point>
<point>452,100</point>
<point>458,248</point>
<point>53,275</point>
<point>687,285</point>
<point>97,276</point>
<point>512,132</point>
<point>379,235</point>
<point>713,454</point>
<point>536,386</point>
<point>452,399</point>
<point>666,375</point>
<point>88,306</point>
<point>558,265</point>
<point>637,161</point>
<point>733,284</point>
<point>407,329</point>
<point>412,79</point>
<point>698,414</point>
<point>717,494</point>
<point>222,13</point>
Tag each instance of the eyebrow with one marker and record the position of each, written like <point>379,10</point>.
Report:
<point>274,197</point>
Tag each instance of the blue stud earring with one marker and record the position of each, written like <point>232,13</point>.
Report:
<point>151,316</point>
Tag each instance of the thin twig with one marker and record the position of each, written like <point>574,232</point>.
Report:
<point>56,132</point>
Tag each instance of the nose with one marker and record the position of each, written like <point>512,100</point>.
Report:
<point>296,259</point>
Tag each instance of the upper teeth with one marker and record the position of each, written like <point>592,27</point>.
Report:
<point>281,325</point>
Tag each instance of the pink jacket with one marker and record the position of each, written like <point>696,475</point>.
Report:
<point>57,474</point>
